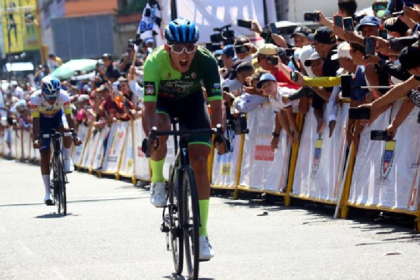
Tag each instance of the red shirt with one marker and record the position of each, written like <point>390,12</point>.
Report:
<point>284,81</point>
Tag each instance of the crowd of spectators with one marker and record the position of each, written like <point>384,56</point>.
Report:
<point>253,75</point>
<point>113,92</point>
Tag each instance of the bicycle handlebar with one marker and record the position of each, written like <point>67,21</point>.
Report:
<point>154,133</point>
<point>57,133</point>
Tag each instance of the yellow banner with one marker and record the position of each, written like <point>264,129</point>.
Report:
<point>20,26</point>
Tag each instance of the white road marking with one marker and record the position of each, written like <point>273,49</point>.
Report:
<point>30,253</point>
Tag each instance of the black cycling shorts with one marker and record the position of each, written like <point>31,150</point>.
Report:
<point>192,113</point>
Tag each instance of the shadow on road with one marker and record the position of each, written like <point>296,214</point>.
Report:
<point>175,276</point>
<point>54,216</point>
<point>106,199</point>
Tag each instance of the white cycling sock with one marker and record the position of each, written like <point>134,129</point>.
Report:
<point>46,179</point>
<point>66,153</point>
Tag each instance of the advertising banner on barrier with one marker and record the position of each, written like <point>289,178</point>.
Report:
<point>387,174</point>
<point>77,156</point>
<point>141,163</point>
<point>91,152</point>
<point>321,159</point>
<point>89,146</point>
<point>114,148</point>
<point>263,167</point>
<point>225,166</point>
<point>127,161</point>
<point>26,144</point>
<point>100,148</point>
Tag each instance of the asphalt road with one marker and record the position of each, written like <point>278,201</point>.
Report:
<point>112,232</point>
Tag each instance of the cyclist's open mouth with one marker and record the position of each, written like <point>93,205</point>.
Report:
<point>183,63</point>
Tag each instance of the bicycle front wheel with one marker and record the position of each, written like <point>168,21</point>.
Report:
<point>61,184</point>
<point>175,230</point>
<point>191,222</point>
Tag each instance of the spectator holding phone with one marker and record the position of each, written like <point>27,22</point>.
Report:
<point>127,58</point>
<point>244,48</point>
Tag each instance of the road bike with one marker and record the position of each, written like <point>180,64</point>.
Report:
<point>181,215</point>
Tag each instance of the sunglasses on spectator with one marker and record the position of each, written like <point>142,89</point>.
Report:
<point>178,48</point>
<point>378,7</point>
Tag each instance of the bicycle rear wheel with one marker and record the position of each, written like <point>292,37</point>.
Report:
<point>60,187</point>
<point>190,222</point>
<point>175,230</point>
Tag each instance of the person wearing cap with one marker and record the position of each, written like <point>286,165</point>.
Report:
<point>285,114</point>
<point>325,44</point>
<point>227,54</point>
<point>244,48</point>
<point>242,72</point>
<point>109,72</point>
<point>396,27</point>
<point>126,59</point>
<point>300,36</point>
<point>265,57</point>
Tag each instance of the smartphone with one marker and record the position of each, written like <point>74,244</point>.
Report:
<point>379,135</point>
<point>244,23</point>
<point>348,24</point>
<point>369,46</point>
<point>311,16</point>
<point>359,113</point>
<point>289,52</point>
<point>338,20</point>
<point>294,76</point>
<point>272,60</point>
<point>383,33</point>
<point>273,28</point>
<point>346,89</point>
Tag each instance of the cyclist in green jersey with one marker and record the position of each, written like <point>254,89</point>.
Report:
<point>174,75</point>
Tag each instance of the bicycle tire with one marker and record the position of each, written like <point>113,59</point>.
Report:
<point>62,193</point>
<point>191,222</point>
<point>175,230</point>
<point>57,185</point>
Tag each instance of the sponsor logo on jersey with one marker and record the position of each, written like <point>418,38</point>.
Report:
<point>387,159</point>
<point>193,75</point>
<point>317,156</point>
<point>150,88</point>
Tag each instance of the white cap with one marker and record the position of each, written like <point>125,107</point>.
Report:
<point>13,83</point>
<point>343,51</point>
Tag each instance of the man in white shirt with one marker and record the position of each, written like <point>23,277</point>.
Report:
<point>17,90</point>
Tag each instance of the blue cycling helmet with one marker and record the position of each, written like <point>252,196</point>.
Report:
<point>50,87</point>
<point>181,31</point>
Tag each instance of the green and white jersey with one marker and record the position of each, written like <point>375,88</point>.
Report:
<point>160,79</point>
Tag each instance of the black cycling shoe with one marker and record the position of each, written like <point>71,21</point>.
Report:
<point>49,202</point>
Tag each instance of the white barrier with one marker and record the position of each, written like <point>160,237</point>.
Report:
<point>127,161</point>
<point>264,168</point>
<point>100,148</point>
<point>386,174</point>
<point>87,150</point>
<point>320,164</point>
<point>114,148</point>
<point>77,156</point>
<point>27,143</point>
<point>225,167</point>
<point>95,136</point>
<point>141,163</point>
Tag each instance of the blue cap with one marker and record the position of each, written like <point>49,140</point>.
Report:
<point>369,21</point>
<point>228,50</point>
<point>149,41</point>
<point>266,77</point>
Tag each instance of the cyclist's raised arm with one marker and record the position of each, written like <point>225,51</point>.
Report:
<point>151,82</point>
<point>214,93</point>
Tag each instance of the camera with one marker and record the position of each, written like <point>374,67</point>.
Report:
<point>223,34</point>
<point>272,60</point>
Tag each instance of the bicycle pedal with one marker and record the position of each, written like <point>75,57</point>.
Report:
<point>164,228</point>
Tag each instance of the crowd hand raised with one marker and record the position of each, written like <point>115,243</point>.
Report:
<point>331,126</point>
<point>37,145</point>
<point>412,12</point>
<point>274,142</point>
<point>382,45</point>
<point>372,113</point>
<point>408,21</point>
<point>350,36</point>
<point>391,130</point>
<point>278,40</point>
<point>301,80</point>
<point>255,26</point>
<point>371,59</point>
<point>322,19</point>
